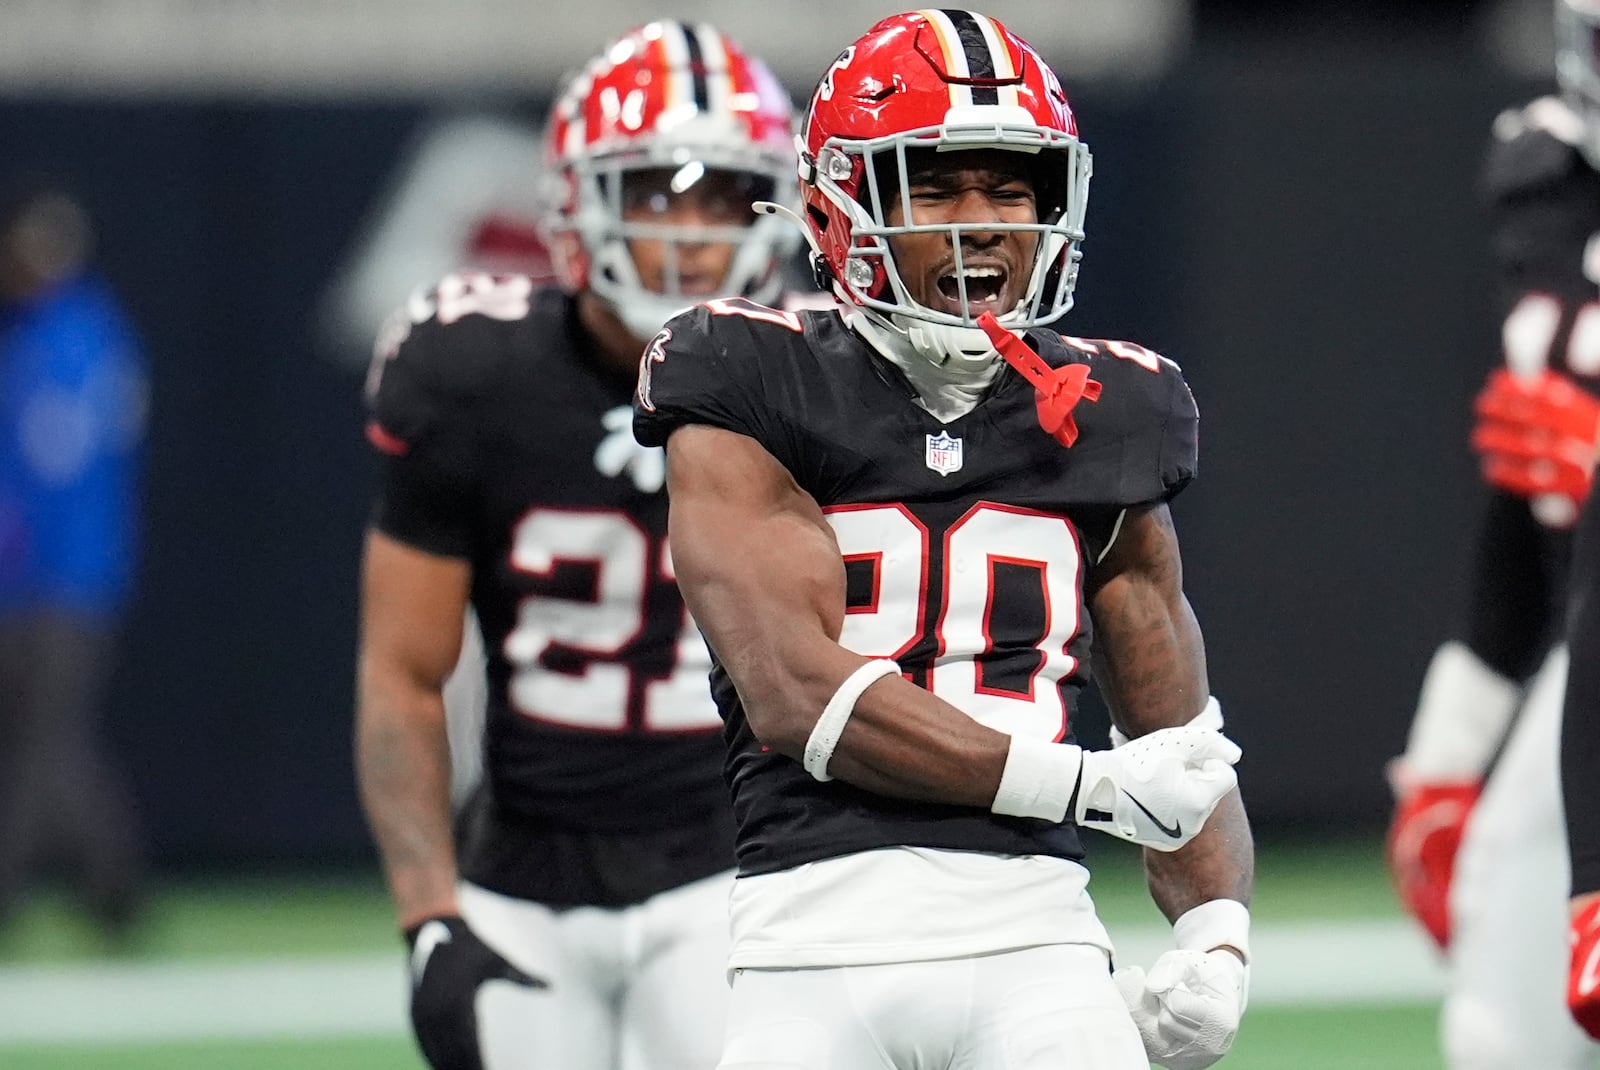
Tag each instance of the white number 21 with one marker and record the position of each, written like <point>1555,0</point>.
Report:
<point>597,697</point>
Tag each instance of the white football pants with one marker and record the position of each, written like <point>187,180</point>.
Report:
<point>466,694</point>
<point>1041,1008</point>
<point>641,988</point>
<point>1506,1006</point>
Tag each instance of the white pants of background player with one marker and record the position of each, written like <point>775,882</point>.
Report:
<point>641,988</point>
<point>1506,1008</point>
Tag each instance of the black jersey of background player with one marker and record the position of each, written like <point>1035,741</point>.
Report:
<point>506,444</point>
<point>1544,215</point>
<point>965,544</point>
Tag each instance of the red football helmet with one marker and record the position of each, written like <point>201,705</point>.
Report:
<point>947,80</point>
<point>1578,67</point>
<point>676,96</point>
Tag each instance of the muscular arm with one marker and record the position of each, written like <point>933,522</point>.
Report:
<point>761,572</point>
<point>1150,661</point>
<point>412,605</point>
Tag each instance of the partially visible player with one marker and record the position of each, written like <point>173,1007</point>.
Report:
<point>1476,844</point>
<point>576,918</point>
<point>904,538</point>
<point>1580,772</point>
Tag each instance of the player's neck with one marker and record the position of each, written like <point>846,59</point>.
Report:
<point>614,346</point>
<point>947,391</point>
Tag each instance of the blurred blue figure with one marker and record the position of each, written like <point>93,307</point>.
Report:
<point>73,398</point>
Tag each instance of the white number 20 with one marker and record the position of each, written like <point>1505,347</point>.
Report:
<point>897,545</point>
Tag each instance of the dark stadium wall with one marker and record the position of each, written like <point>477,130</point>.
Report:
<point>1302,238</point>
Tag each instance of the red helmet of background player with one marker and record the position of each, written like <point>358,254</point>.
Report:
<point>946,80</point>
<point>668,95</point>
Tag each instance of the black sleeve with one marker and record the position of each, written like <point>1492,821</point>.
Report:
<point>420,423</point>
<point>1180,434</point>
<point>1139,440</point>
<point>701,369</point>
<point>1580,732</point>
<point>1539,195</point>
<point>1153,420</point>
<point>1512,601</point>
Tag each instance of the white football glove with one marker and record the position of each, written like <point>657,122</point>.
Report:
<point>1157,790</point>
<point>1189,1006</point>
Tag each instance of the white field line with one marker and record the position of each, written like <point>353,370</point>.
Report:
<point>1383,961</point>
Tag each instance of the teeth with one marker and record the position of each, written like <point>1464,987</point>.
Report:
<point>978,273</point>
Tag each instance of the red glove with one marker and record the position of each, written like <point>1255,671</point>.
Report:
<point>1583,986</point>
<point>1421,849</point>
<point>1537,436</point>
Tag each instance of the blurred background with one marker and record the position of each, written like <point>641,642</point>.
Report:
<point>1285,201</point>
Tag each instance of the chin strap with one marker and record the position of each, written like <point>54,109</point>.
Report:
<point>1059,389</point>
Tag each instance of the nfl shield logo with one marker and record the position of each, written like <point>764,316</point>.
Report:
<point>944,453</point>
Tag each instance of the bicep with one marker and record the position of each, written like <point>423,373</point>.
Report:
<point>745,535</point>
<point>413,604</point>
<point>761,573</point>
<point>1148,653</point>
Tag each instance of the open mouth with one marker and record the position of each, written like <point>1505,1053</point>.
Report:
<point>985,284</point>
<point>697,285</point>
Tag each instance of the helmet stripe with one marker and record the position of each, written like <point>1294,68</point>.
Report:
<point>675,50</point>
<point>955,58</point>
<point>697,65</point>
<point>977,47</point>
<point>718,69</point>
<point>1004,70</point>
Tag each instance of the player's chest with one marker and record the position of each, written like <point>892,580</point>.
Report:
<point>873,443</point>
<point>568,482</point>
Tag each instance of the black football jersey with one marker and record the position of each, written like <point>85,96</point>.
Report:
<point>1544,217</point>
<point>505,443</point>
<point>965,544</point>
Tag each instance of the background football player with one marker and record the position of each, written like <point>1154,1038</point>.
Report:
<point>577,916</point>
<point>877,519</point>
<point>1491,699</point>
<point>1580,764</point>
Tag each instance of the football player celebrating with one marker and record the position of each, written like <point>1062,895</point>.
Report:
<point>1476,844</point>
<point>577,917</point>
<point>900,527</point>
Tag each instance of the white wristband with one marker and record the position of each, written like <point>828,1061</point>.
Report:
<point>830,726</point>
<point>1039,779</point>
<point>1214,924</point>
<point>1209,717</point>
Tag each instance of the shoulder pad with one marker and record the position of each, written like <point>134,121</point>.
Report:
<point>1103,350</point>
<point>1533,147</point>
<point>1145,411</point>
<point>443,348</point>
<point>706,367</point>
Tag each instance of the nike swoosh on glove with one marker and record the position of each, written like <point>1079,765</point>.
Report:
<point>1583,985</point>
<point>449,963</point>
<point>1157,790</point>
<point>1189,1006</point>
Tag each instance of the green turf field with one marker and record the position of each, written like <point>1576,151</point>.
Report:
<point>203,924</point>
